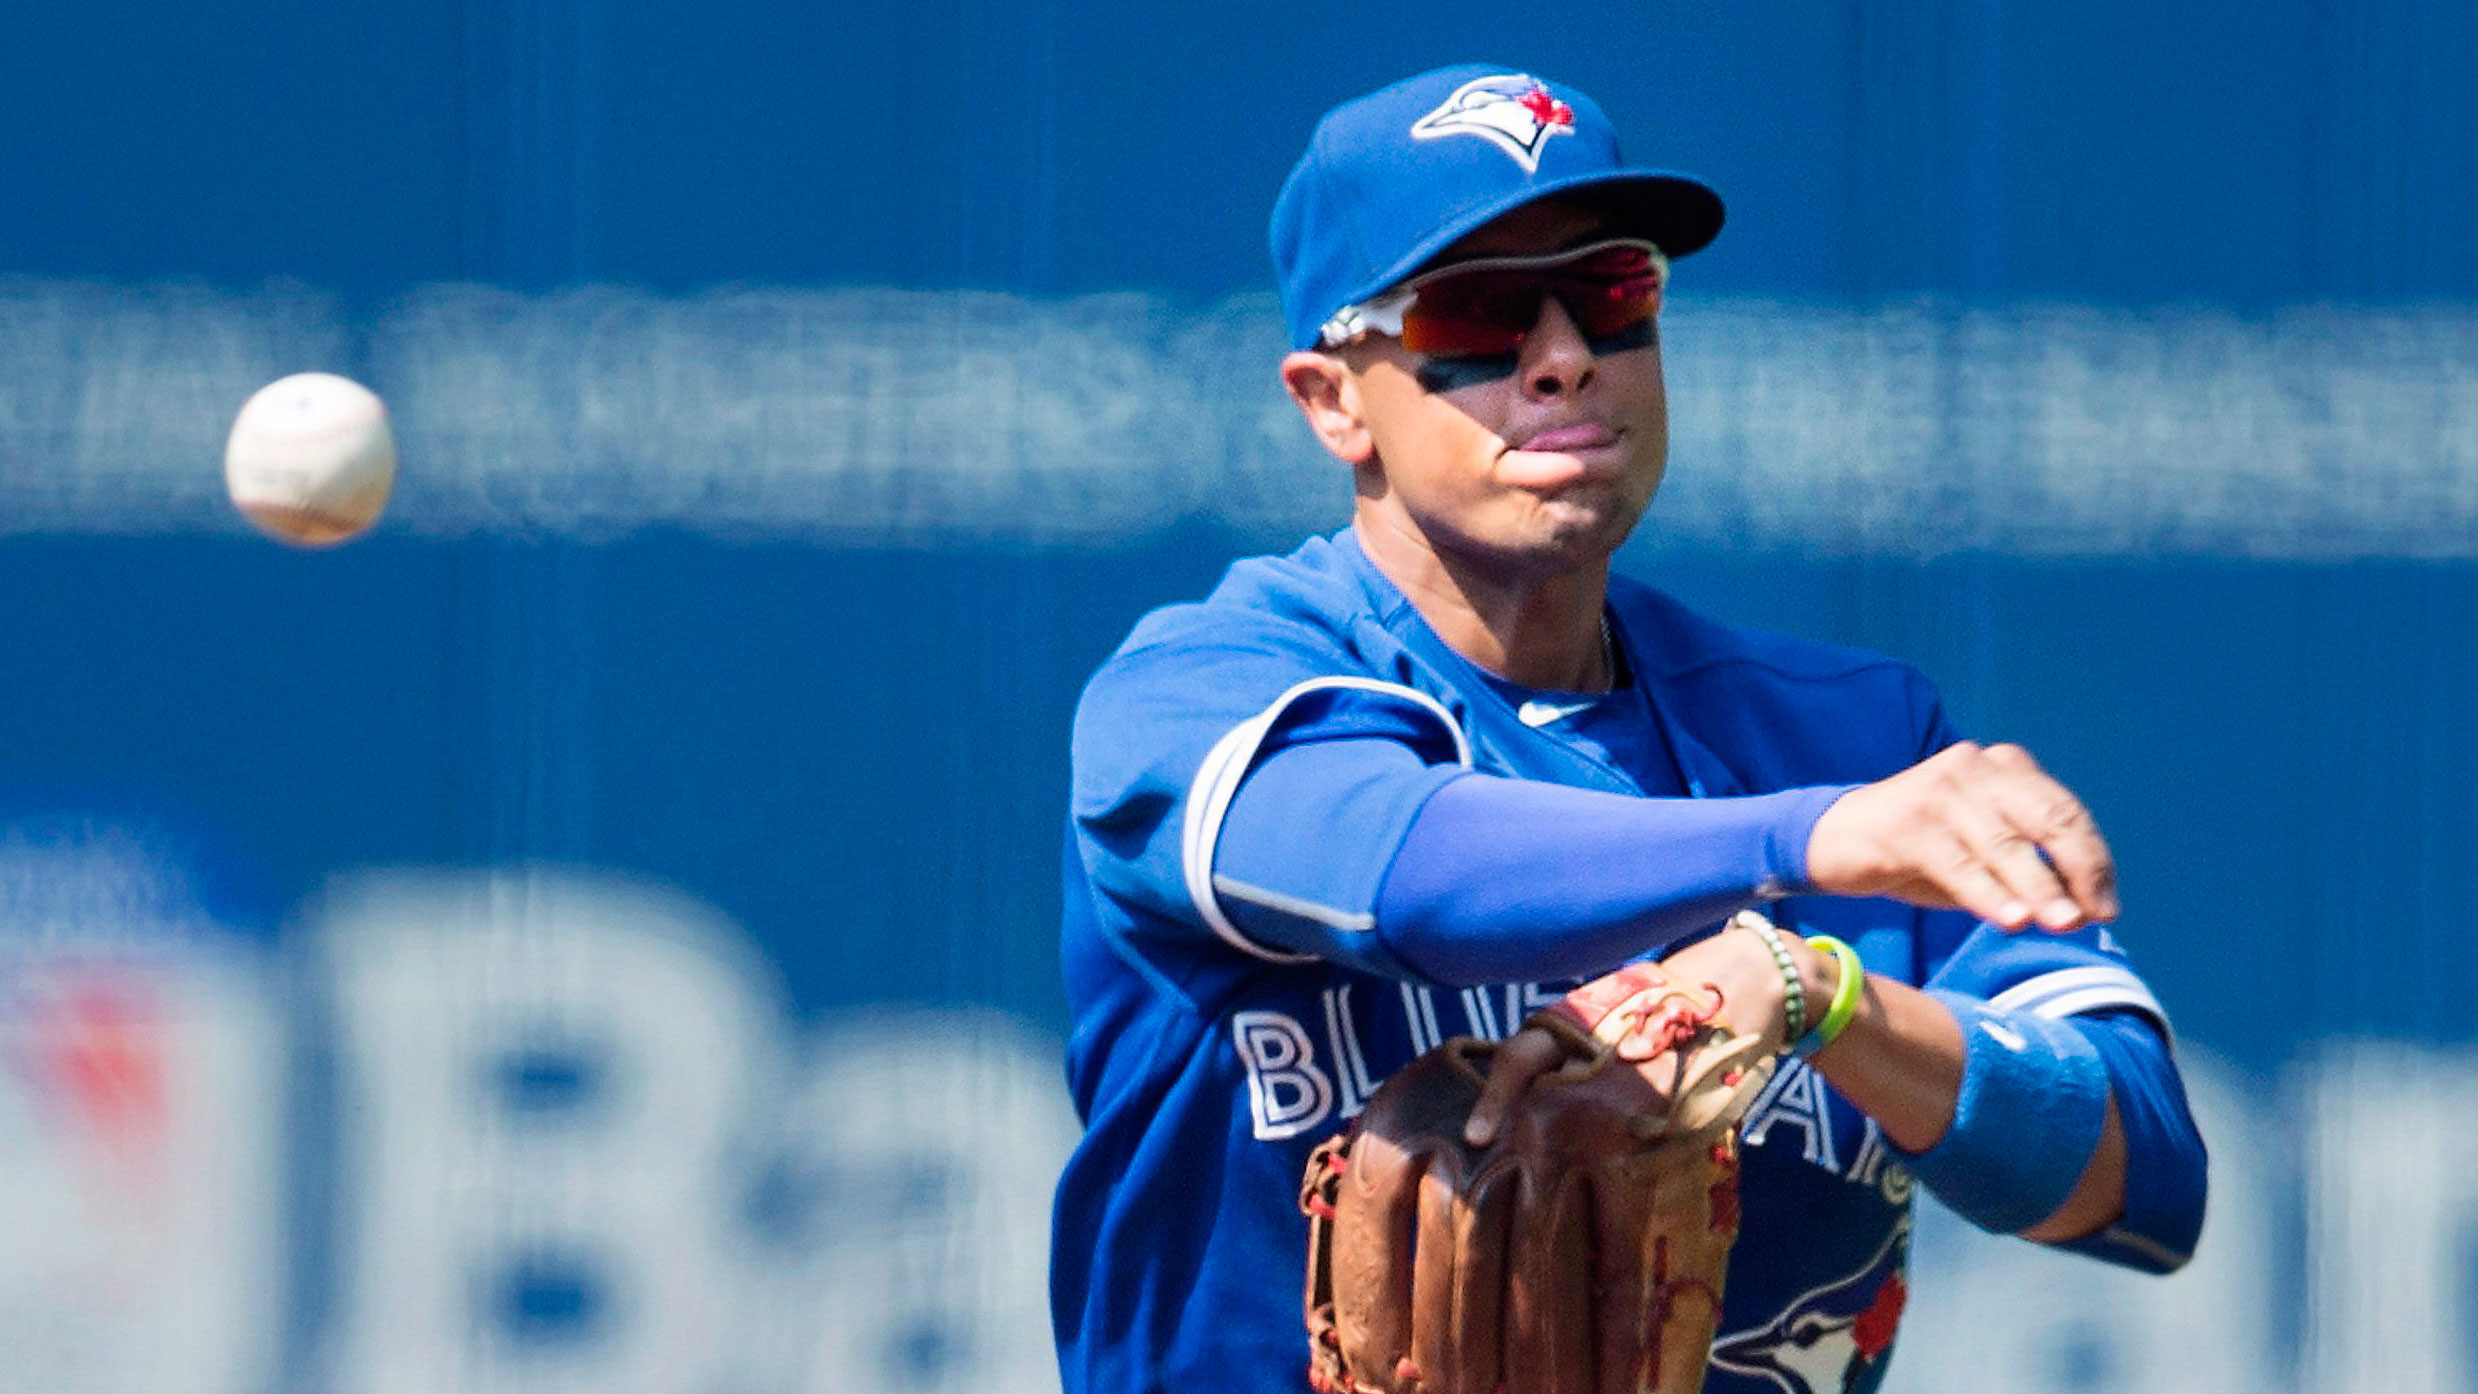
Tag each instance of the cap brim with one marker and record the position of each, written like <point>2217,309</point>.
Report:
<point>1677,213</point>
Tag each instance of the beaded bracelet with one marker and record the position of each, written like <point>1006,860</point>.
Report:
<point>1793,993</point>
<point>1846,994</point>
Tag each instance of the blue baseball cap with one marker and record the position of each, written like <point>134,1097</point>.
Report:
<point>1392,178</point>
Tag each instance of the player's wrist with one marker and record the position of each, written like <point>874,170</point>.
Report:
<point>1849,995</point>
<point>1778,990</point>
<point>1819,976</point>
<point>1791,849</point>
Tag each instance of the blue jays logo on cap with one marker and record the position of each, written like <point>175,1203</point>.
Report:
<point>1512,111</point>
<point>1830,1336</point>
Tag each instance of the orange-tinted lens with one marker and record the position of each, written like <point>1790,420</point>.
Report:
<point>1480,314</point>
<point>1488,311</point>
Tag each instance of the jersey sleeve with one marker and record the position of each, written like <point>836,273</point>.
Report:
<point>1171,727</point>
<point>2167,1167</point>
<point>2052,975</point>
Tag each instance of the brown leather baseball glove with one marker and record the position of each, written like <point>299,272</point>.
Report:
<point>1581,1251</point>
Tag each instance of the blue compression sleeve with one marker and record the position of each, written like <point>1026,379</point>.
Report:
<point>1506,879</point>
<point>1494,880</point>
<point>2166,1167</point>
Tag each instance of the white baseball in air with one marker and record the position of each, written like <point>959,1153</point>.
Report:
<point>311,460</point>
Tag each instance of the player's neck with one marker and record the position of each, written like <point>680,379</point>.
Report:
<point>1536,630</point>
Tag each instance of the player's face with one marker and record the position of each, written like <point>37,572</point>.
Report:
<point>1541,460</point>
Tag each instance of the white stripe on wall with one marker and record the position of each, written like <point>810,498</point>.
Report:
<point>875,415</point>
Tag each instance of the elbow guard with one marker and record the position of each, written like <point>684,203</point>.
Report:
<point>2034,1098</point>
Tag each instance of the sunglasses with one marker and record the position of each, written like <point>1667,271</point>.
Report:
<point>1486,308</point>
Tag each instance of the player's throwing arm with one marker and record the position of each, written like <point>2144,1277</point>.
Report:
<point>1978,828</point>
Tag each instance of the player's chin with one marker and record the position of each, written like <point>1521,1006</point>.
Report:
<point>1560,539</point>
<point>1594,517</point>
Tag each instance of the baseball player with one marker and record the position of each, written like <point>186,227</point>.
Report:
<point>1421,776</point>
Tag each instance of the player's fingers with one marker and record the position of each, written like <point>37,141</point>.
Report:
<point>1517,1061</point>
<point>2048,813</point>
<point>1951,872</point>
<point>1978,816</point>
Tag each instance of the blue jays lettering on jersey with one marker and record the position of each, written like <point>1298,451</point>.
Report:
<point>1206,1064</point>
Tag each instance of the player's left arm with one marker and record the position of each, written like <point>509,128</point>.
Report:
<point>2040,1100</point>
<point>2043,1102</point>
<point>2032,1080</point>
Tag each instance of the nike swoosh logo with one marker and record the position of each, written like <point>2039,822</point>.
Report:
<point>2004,1036</point>
<point>1538,713</point>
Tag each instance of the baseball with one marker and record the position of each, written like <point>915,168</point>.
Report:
<point>311,460</point>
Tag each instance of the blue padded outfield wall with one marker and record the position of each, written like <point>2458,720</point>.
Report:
<point>597,931</point>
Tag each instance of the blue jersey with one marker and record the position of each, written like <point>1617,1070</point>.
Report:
<point>1206,1063</point>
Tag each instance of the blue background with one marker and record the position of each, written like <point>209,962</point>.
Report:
<point>858,750</point>
<point>2249,155</point>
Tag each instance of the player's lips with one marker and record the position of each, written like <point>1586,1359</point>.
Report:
<point>1556,456</point>
<point>1582,435</point>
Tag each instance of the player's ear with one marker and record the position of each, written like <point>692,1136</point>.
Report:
<point>1328,395</point>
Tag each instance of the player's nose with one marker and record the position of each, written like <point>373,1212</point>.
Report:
<point>1556,359</point>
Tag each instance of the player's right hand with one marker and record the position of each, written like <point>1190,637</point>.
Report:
<point>1982,829</point>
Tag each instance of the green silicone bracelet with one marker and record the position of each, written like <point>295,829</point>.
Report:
<point>1846,994</point>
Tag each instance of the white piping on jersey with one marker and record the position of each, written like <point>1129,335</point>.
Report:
<point>1359,921</point>
<point>2073,991</point>
<point>1217,783</point>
